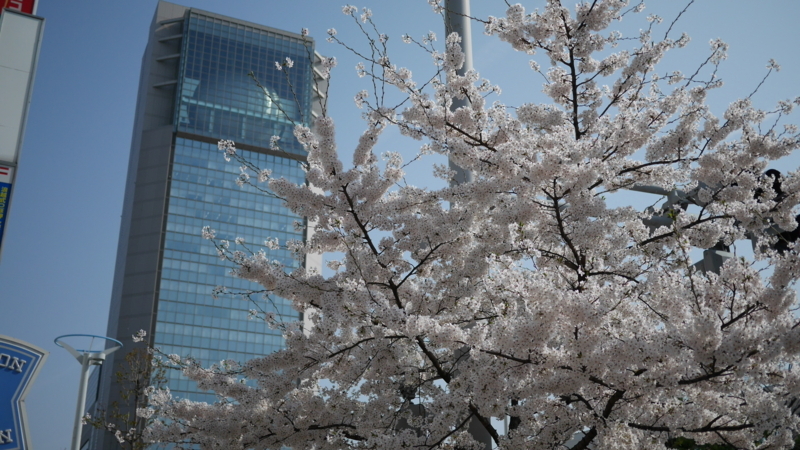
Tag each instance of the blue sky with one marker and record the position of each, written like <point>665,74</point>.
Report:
<point>61,241</point>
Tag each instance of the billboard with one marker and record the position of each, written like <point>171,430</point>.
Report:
<point>19,364</point>
<point>20,39</point>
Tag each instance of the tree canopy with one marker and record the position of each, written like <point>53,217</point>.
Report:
<point>521,295</point>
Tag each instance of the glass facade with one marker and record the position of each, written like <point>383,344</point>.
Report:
<point>218,96</point>
<point>203,192</point>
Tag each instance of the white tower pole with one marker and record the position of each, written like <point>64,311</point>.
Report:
<point>457,19</point>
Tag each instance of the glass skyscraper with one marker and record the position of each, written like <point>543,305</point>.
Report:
<point>197,86</point>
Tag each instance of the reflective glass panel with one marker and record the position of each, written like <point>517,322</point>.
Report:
<point>222,66</point>
<point>204,193</point>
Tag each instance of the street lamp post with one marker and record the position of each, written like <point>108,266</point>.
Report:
<point>86,358</point>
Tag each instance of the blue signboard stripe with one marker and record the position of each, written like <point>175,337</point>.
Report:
<point>5,196</point>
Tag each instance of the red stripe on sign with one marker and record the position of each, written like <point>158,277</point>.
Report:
<point>4,170</point>
<point>24,6</point>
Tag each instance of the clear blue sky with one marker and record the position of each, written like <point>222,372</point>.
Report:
<point>61,240</point>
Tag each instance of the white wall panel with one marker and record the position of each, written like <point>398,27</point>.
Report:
<point>19,48</point>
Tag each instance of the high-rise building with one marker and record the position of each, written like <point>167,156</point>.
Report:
<point>197,86</point>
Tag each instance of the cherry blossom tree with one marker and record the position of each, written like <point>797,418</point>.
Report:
<point>137,376</point>
<point>521,296</point>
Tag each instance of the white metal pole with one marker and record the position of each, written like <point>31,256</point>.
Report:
<point>84,382</point>
<point>457,19</point>
<point>86,358</point>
